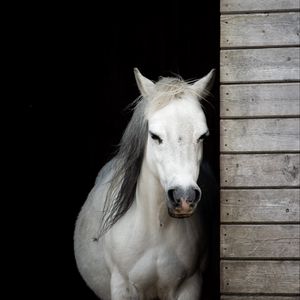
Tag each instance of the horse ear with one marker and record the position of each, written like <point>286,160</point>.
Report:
<point>204,85</point>
<point>145,85</point>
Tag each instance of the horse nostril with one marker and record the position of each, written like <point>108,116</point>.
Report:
<point>193,195</point>
<point>172,196</point>
<point>197,194</point>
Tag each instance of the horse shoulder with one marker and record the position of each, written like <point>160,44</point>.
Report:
<point>89,252</point>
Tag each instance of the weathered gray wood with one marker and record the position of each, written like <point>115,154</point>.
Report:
<point>264,64</point>
<point>232,297</point>
<point>254,65</point>
<point>275,205</point>
<point>259,170</point>
<point>252,30</point>
<point>254,5</point>
<point>260,100</point>
<point>267,277</point>
<point>260,135</point>
<point>260,241</point>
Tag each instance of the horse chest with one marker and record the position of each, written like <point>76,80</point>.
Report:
<point>156,261</point>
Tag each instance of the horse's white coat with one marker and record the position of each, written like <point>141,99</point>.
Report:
<point>176,160</point>
<point>147,254</point>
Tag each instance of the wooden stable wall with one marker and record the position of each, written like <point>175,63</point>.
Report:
<point>259,93</point>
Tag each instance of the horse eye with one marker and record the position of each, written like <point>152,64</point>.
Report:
<point>203,136</point>
<point>155,137</point>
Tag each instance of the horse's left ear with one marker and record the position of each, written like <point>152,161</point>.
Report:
<point>204,85</point>
<point>145,85</point>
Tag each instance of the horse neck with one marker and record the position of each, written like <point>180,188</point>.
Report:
<point>150,197</point>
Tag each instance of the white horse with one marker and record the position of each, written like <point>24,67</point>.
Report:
<point>139,234</point>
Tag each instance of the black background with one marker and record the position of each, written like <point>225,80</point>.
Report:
<point>75,66</point>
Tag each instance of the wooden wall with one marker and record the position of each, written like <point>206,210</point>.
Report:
<point>259,128</point>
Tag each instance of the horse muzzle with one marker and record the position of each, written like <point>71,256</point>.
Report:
<point>182,203</point>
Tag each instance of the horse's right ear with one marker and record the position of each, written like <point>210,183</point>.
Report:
<point>145,85</point>
<point>204,85</point>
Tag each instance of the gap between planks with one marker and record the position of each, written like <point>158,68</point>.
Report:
<point>259,47</point>
<point>265,11</point>
<point>259,82</point>
<point>247,259</point>
<point>259,117</point>
<point>260,223</point>
<point>259,152</point>
<point>258,187</point>
<point>261,294</point>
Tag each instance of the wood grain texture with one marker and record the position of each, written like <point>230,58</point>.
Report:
<point>254,5</point>
<point>232,297</point>
<point>250,100</point>
<point>260,135</point>
<point>274,205</point>
<point>260,170</point>
<point>260,80</point>
<point>254,65</point>
<point>266,277</point>
<point>260,241</point>
<point>253,30</point>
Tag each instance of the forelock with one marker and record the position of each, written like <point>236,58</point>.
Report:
<point>166,90</point>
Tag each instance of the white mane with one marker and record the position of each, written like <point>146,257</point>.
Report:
<point>166,90</point>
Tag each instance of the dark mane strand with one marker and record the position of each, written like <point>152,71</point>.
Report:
<point>128,164</point>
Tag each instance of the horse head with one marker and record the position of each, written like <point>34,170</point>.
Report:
<point>176,129</point>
